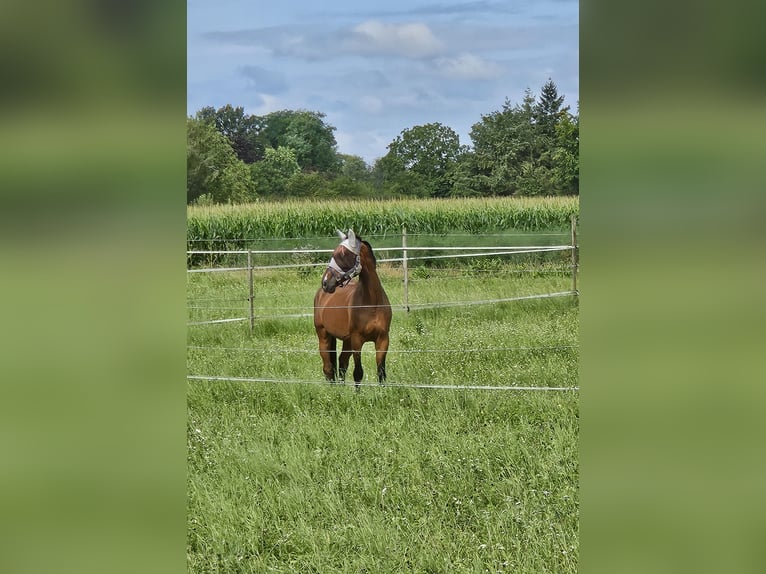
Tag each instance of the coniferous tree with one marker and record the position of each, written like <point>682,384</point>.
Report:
<point>547,111</point>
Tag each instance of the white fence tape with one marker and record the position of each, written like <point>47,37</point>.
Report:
<point>384,385</point>
<point>412,306</point>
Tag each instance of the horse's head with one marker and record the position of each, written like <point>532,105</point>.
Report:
<point>344,264</point>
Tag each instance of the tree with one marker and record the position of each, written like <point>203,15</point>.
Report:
<point>306,184</point>
<point>354,167</point>
<point>307,134</point>
<point>212,167</point>
<point>566,156</point>
<point>548,111</point>
<point>527,149</point>
<point>465,180</point>
<point>502,141</point>
<point>242,131</point>
<point>272,174</point>
<point>419,161</point>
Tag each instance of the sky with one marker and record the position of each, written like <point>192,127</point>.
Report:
<point>377,68</point>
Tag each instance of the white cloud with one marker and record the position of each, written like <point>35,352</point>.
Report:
<point>267,104</point>
<point>468,67</point>
<point>412,40</point>
<point>369,144</point>
<point>371,104</point>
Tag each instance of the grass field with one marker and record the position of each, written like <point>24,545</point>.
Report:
<point>318,478</point>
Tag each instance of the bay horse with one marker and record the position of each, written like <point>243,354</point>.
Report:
<point>353,311</point>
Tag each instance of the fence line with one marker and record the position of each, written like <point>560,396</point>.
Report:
<point>473,251</point>
<point>383,235</point>
<point>241,308</point>
<point>392,306</point>
<point>270,308</point>
<point>371,350</point>
<point>535,250</point>
<point>398,248</point>
<point>540,249</point>
<point>478,251</point>
<point>451,273</point>
<point>217,321</point>
<point>401,307</point>
<point>385,385</point>
<point>486,301</point>
<point>225,269</point>
<point>208,299</point>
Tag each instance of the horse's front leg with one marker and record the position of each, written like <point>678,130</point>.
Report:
<point>329,354</point>
<point>345,356</point>
<point>381,348</point>
<point>356,349</point>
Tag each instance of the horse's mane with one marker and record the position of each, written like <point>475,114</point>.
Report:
<point>372,253</point>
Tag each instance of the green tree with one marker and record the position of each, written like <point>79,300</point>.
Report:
<point>272,174</point>
<point>306,184</point>
<point>566,156</point>
<point>344,186</point>
<point>541,175</point>
<point>502,141</point>
<point>527,149</point>
<point>420,160</point>
<point>465,179</point>
<point>306,133</point>
<point>212,167</point>
<point>242,130</point>
<point>354,167</point>
<point>547,112</point>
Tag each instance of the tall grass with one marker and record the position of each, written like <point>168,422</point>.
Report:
<point>208,227</point>
<point>313,478</point>
<point>320,479</point>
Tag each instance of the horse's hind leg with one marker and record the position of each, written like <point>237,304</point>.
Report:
<point>345,356</point>
<point>329,354</point>
<point>381,348</point>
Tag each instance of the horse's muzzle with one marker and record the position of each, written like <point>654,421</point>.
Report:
<point>328,288</point>
<point>329,283</point>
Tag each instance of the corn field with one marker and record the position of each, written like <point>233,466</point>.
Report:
<point>227,226</point>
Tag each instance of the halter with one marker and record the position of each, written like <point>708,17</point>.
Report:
<point>350,242</point>
<point>344,277</point>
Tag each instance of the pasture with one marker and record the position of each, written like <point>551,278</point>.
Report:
<point>292,474</point>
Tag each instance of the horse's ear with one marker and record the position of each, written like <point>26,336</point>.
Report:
<point>351,236</point>
<point>341,234</point>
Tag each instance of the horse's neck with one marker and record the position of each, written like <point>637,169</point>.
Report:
<point>370,283</point>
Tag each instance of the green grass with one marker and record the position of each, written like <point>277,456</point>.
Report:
<point>319,478</point>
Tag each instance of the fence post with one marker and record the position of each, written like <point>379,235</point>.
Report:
<point>574,255</point>
<point>404,269</point>
<point>250,281</point>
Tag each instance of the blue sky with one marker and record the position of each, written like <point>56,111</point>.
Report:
<point>376,68</point>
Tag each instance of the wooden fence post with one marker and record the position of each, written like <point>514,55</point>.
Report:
<point>250,281</point>
<point>404,269</point>
<point>575,258</point>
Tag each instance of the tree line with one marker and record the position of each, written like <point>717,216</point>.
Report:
<point>529,148</point>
